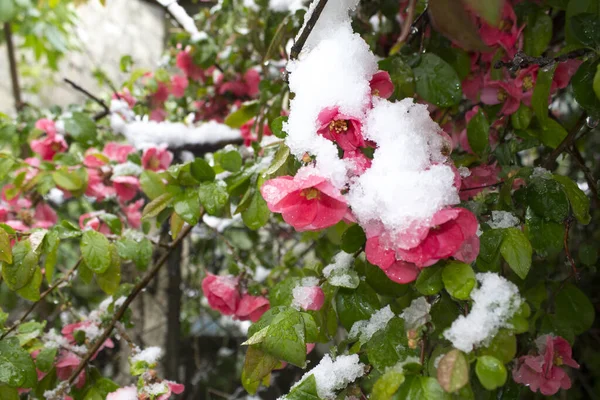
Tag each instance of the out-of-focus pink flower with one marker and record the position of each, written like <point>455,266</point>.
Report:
<point>158,114</point>
<point>252,80</point>
<point>222,293</point>
<point>242,86</point>
<point>251,308</point>
<point>543,372</point>
<point>157,158</point>
<point>341,129</point>
<point>482,175</point>
<point>381,84</point>
<point>161,95</point>
<point>126,187</point>
<point>124,393</point>
<point>51,144</point>
<point>126,96</point>
<point>69,330</point>
<point>133,213</point>
<point>118,152</point>
<point>309,297</point>
<point>472,85</point>
<point>360,162</point>
<point>45,216</point>
<point>66,364</point>
<point>172,387</point>
<point>96,187</point>
<point>185,62</point>
<point>306,201</point>
<point>178,85</point>
<point>507,93</point>
<point>506,34</point>
<point>563,73</point>
<point>91,221</point>
<point>17,225</point>
<point>251,136</point>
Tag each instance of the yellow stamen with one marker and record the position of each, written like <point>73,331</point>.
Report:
<point>528,82</point>
<point>502,95</point>
<point>339,125</point>
<point>311,193</point>
<point>558,361</point>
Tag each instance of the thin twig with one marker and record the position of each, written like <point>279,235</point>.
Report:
<point>98,100</point>
<point>407,24</point>
<point>58,282</point>
<point>570,138</point>
<point>522,60</point>
<point>12,60</point>
<point>121,311</point>
<point>307,29</point>
<point>589,177</point>
<point>574,272</point>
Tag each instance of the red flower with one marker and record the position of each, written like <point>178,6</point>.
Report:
<point>360,162</point>
<point>66,364</point>
<point>249,136</point>
<point>126,96</point>
<point>51,144</point>
<point>251,308</point>
<point>306,201</point>
<point>222,293</point>
<point>133,213</point>
<point>309,297</point>
<point>126,187</point>
<point>544,371</point>
<point>172,387</point>
<point>157,158</point>
<point>341,129</point>
<point>185,62</point>
<point>178,85</point>
<point>481,175</point>
<point>506,34</point>
<point>508,93</point>
<point>96,187</point>
<point>381,84</point>
<point>118,152</point>
<point>124,393</point>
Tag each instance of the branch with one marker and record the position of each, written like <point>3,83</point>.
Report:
<point>307,29</point>
<point>98,100</point>
<point>522,60</point>
<point>12,60</point>
<point>42,297</point>
<point>566,142</point>
<point>567,251</point>
<point>121,311</point>
<point>589,177</point>
<point>407,25</point>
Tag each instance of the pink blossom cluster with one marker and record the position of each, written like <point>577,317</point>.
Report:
<point>308,201</point>
<point>545,371</point>
<point>225,294</point>
<point>131,392</point>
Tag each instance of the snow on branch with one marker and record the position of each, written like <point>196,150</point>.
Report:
<point>183,19</point>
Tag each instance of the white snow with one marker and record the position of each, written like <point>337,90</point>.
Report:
<point>286,5</point>
<point>494,303</point>
<point>149,355</point>
<point>539,172</point>
<point>365,329</point>
<point>303,293</point>
<point>417,314</point>
<point>155,389</point>
<point>127,168</point>
<point>334,375</point>
<point>183,19</point>
<point>337,272</point>
<point>503,219</point>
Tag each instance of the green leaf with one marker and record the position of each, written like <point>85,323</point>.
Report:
<point>45,359</point>
<point>202,171</point>
<point>257,214</point>
<point>453,21</point>
<point>401,75</point>
<point>81,128</point>
<point>6,165</point>
<point>517,251</point>
<point>187,206</point>
<point>5,248</point>
<point>231,161</point>
<point>25,262</point>
<point>7,392</point>
<point>582,81</point>
<point>541,94</point>
<point>547,199</point>
<point>437,82</point>
<point>478,131</point>
<point>387,385</point>
<point>140,252</point>
<point>580,203</point>
<point>8,10</point>
<point>453,371</point>
<point>152,184</point>
<point>182,173</point>
<point>546,237</point>
<point>29,331</point>
<point>574,309</point>
<point>245,113</point>
<point>154,208</point>
<point>95,250</point>
<point>459,279</point>
<point>257,366</point>
<point>16,366</point>
<point>552,133</point>
<point>213,197</point>
<point>537,34</point>
<point>596,83</point>
<point>51,243</point>
<point>280,158</point>
<point>491,372</point>
<point>522,117</point>
<point>503,346</point>
<point>31,291</point>
<point>85,274</point>
<point>286,338</point>
<point>305,390</point>
<point>389,346</point>
<point>277,127</point>
<point>430,280</point>
<point>490,10</point>
<point>586,29</point>
<point>356,305</point>
<point>109,280</point>
<point>421,388</point>
<point>113,222</point>
<point>69,180</point>
<point>353,239</point>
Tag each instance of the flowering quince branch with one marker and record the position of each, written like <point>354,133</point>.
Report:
<point>43,295</point>
<point>568,140</point>
<point>98,100</point>
<point>307,29</point>
<point>522,60</point>
<point>121,311</point>
<point>407,25</point>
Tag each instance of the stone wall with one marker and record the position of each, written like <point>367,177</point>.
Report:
<point>122,27</point>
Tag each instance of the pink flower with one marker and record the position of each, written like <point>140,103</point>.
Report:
<point>172,387</point>
<point>161,95</point>
<point>309,297</point>
<point>381,84</point>
<point>482,175</point>
<point>178,85</point>
<point>306,201</point>
<point>69,330</point>
<point>66,364</point>
<point>133,213</point>
<point>242,86</point>
<point>185,62</point>
<point>506,34</point>
<point>340,128</point>
<point>157,158</point>
<point>252,80</point>
<point>397,270</point>
<point>51,144</point>
<point>91,221</point>
<point>126,96</point>
<point>222,293</point>
<point>360,162</point>
<point>96,187</point>
<point>250,136</point>
<point>563,73</point>
<point>158,114</point>
<point>118,152</point>
<point>45,216</point>
<point>126,187</point>
<point>508,93</point>
<point>124,393</point>
<point>544,371</point>
<point>251,308</point>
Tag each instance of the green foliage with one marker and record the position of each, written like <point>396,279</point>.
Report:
<point>16,366</point>
<point>436,81</point>
<point>490,372</point>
